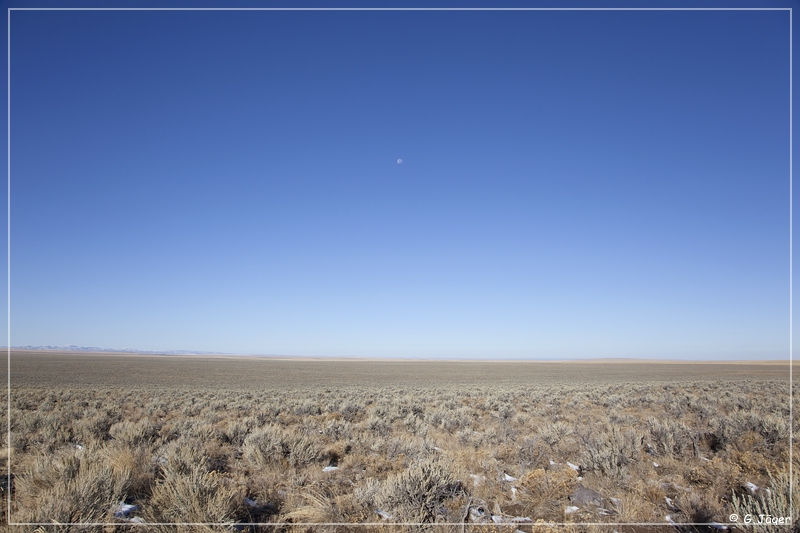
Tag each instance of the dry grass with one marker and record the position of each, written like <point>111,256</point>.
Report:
<point>447,449</point>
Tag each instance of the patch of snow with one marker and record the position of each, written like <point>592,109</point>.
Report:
<point>250,503</point>
<point>574,467</point>
<point>571,509</point>
<point>552,463</point>
<point>509,478</point>
<point>476,479</point>
<point>123,509</point>
<point>670,503</point>
<point>669,519</point>
<point>752,487</point>
<point>383,514</point>
<point>717,525</point>
<point>655,464</point>
<point>499,519</point>
<point>330,468</point>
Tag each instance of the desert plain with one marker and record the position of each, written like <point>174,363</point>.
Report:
<point>121,442</point>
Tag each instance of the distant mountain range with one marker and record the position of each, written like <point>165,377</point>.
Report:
<point>73,348</point>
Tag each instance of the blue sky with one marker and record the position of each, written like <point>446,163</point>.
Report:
<point>573,184</point>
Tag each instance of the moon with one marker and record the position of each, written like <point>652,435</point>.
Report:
<point>399,161</point>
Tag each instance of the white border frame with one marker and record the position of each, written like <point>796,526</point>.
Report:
<point>374,524</point>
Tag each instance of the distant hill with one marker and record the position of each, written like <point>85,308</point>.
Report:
<point>74,348</point>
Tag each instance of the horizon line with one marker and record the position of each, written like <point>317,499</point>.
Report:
<point>355,358</point>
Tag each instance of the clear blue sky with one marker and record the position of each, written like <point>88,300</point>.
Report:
<point>573,184</point>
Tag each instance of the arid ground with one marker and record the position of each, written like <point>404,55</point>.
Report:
<point>138,440</point>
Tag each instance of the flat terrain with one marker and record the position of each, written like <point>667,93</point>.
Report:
<point>70,369</point>
<point>249,440</point>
